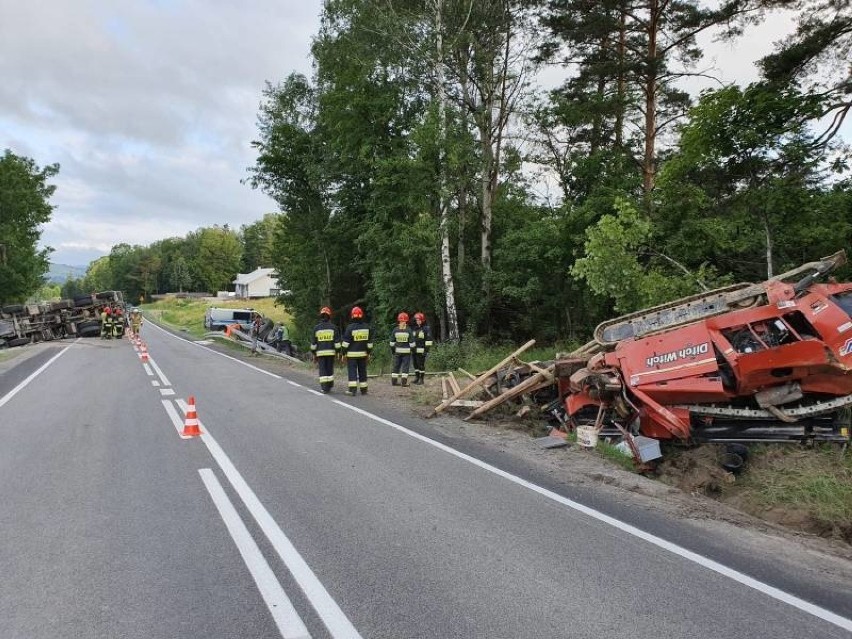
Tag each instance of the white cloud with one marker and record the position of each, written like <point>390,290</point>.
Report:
<point>149,107</point>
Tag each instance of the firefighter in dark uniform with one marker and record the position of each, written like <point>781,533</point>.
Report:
<point>401,343</point>
<point>325,344</point>
<point>106,323</point>
<point>422,344</point>
<point>357,346</point>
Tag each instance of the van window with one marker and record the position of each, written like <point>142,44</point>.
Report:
<point>242,316</point>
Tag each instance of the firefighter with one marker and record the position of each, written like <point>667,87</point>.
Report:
<point>117,323</point>
<point>325,344</point>
<point>357,346</point>
<point>136,321</point>
<point>422,344</point>
<point>106,323</point>
<point>401,341</point>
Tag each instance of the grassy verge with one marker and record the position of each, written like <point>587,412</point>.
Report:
<point>807,487</point>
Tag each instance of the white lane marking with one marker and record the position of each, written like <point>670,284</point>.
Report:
<point>148,370</point>
<point>8,396</point>
<point>156,368</point>
<point>166,392</point>
<point>315,392</point>
<point>715,566</point>
<point>177,422</point>
<point>289,623</point>
<point>154,382</point>
<point>292,383</point>
<point>204,342</point>
<point>335,620</point>
<point>210,350</point>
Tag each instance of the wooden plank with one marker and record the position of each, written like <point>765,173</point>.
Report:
<point>444,392</point>
<point>467,403</point>
<point>478,381</point>
<point>534,382</point>
<point>454,385</point>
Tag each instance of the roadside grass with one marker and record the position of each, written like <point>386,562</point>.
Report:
<point>613,454</point>
<point>475,356</point>
<point>816,482</point>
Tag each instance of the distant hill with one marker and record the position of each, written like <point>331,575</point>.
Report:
<point>59,273</point>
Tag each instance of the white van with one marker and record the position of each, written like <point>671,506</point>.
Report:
<point>216,319</point>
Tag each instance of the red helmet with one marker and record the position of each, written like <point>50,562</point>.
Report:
<point>420,317</point>
<point>402,317</point>
<point>357,312</point>
<point>108,310</point>
<point>325,310</point>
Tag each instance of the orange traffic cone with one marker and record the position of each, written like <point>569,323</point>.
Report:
<point>144,350</point>
<point>190,423</point>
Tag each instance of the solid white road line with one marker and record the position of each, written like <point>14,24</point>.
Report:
<point>721,569</point>
<point>335,620</point>
<point>715,566</point>
<point>147,368</point>
<point>159,372</point>
<point>177,422</point>
<point>289,623</point>
<point>31,377</point>
<point>210,350</point>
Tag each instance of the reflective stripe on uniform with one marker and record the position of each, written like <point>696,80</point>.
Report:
<point>328,353</point>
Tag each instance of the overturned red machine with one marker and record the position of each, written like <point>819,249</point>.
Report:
<point>768,361</point>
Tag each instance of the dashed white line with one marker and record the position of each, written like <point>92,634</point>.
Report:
<point>714,566</point>
<point>159,372</point>
<point>177,422</point>
<point>155,382</point>
<point>335,620</point>
<point>290,625</point>
<point>167,392</point>
<point>148,370</point>
<point>210,350</point>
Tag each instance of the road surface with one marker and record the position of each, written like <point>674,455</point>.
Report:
<point>298,514</point>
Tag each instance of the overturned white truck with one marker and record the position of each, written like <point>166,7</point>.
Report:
<point>78,317</point>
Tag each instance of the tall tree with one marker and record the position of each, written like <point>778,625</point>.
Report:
<point>816,57</point>
<point>258,240</point>
<point>24,207</point>
<point>629,55</point>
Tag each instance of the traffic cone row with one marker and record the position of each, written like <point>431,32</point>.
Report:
<point>190,422</point>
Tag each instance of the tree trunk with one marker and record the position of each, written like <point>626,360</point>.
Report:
<point>766,229</point>
<point>621,90</point>
<point>648,164</point>
<point>443,207</point>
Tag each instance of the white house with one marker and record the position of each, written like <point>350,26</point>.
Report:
<point>261,282</point>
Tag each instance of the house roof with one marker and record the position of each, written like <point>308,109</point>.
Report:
<point>256,274</point>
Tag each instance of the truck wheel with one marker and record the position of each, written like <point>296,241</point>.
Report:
<point>13,308</point>
<point>88,328</point>
<point>18,341</point>
<point>82,300</point>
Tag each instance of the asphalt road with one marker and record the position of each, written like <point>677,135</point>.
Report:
<point>298,514</point>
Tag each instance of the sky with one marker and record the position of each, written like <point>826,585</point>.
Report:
<point>150,107</point>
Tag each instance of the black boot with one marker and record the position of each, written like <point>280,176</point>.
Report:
<point>393,381</point>
<point>405,381</point>
<point>363,391</point>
